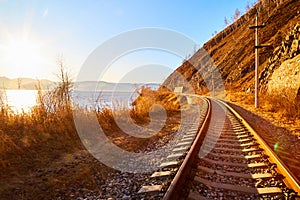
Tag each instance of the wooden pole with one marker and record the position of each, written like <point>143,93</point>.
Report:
<point>257,46</point>
<point>256,62</point>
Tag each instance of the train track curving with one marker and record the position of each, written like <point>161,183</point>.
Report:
<point>227,159</point>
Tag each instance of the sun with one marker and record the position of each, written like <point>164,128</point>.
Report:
<point>23,57</point>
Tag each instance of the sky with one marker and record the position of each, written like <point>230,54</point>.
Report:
<point>35,35</point>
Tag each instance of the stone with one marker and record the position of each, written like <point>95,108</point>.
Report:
<point>277,50</point>
<point>126,197</point>
<point>294,47</point>
<point>286,78</point>
<point>288,49</point>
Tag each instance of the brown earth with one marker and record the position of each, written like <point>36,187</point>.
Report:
<point>230,54</point>
<point>44,158</point>
<point>61,168</point>
<point>232,49</point>
<point>246,101</point>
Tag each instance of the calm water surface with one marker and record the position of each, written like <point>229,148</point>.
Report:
<point>20,100</point>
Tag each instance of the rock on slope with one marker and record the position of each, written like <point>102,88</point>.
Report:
<point>282,74</point>
<point>286,79</point>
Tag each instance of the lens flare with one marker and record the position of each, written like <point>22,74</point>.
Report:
<point>276,146</point>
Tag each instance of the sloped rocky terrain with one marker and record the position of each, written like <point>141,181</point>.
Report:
<point>286,79</point>
<point>282,71</point>
<point>232,50</point>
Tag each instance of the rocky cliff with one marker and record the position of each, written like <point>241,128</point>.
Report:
<point>232,50</point>
<point>288,49</point>
<point>286,78</point>
<point>282,74</point>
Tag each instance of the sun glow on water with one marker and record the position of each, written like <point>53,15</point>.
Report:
<point>23,100</point>
<point>20,100</point>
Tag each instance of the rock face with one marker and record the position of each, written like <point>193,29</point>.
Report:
<point>288,49</point>
<point>286,79</point>
<point>232,50</point>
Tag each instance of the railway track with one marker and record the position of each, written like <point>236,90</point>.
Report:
<point>227,159</point>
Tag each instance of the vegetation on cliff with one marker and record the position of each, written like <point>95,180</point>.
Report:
<point>231,51</point>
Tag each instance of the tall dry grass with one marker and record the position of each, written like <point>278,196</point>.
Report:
<point>51,122</point>
<point>39,140</point>
<point>147,98</point>
<point>284,103</point>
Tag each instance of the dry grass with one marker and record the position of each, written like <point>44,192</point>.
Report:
<point>145,103</point>
<point>52,118</point>
<point>240,97</point>
<point>281,109</point>
<point>283,103</point>
<point>37,148</point>
<point>147,100</point>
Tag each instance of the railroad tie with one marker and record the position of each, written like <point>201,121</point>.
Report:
<point>253,190</point>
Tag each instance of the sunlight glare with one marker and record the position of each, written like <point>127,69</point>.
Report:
<point>18,104</point>
<point>22,56</point>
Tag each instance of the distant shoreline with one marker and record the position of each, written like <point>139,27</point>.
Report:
<point>31,84</point>
<point>120,91</point>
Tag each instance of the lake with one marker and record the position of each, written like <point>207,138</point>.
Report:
<point>19,100</point>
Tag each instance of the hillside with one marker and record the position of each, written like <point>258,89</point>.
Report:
<point>30,84</point>
<point>232,50</point>
<point>24,83</point>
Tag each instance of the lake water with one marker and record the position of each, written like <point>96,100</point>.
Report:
<point>90,99</point>
<point>19,100</point>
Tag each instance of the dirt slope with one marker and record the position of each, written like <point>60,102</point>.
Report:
<point>232,50</point>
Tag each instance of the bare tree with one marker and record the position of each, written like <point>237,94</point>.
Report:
<point>226,21</point>
<point>248,7</point>
<point>236,15</point>
<point>19,81</point>
<point>63,91</point>
<point>59,99</point>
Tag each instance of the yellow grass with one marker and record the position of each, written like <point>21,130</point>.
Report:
<point>279,108</point>
<point>53,118</point>
<point>148,99</point>
<point>39,138</point>
<point>283,103</point>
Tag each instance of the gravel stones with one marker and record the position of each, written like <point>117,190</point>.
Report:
<point>230,163</point>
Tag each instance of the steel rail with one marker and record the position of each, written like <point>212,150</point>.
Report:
<point>290,180</point>
<point>182,173</point>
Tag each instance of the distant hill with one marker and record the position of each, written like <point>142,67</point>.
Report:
<point>24,83</point>
<point>30,84</point>
<point>107,86</point>
<point>232,49</point>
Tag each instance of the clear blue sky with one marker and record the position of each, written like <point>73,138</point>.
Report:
<point>33,34</point>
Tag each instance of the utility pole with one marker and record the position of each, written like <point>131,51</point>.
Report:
<point>256,27</point>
